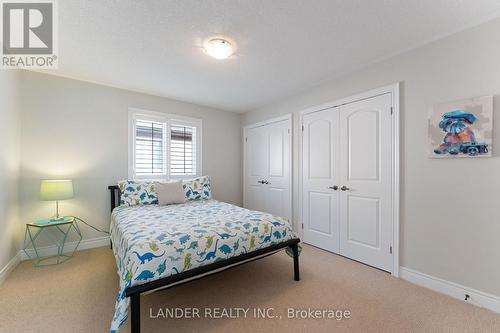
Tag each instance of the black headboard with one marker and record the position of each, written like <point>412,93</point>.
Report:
<point>115,196</point>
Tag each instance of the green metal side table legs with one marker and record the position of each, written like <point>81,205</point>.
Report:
<point>62,227</point>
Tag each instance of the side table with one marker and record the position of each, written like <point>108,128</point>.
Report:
<point>63,227</point>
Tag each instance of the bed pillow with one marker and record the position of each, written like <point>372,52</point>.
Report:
<point>198,188</point>
<point>133,193</point>
<point>170,193</point>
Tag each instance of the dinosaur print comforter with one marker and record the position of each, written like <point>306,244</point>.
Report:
<point>152,242</point>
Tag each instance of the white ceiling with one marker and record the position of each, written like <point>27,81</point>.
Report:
<point>283,46</point>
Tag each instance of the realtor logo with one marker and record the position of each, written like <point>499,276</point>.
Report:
<point>29,38</point>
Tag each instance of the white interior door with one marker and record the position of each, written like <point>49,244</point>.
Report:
<point>256,168</point>
<point>320,173</point>
<point>277,185</point>
<point>347,180</point>
<point>268,168</point>
<point>365,179</point>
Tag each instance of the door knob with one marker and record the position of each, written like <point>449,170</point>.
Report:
<point>334,187</point>
<point>261,182</point>
<point>345,188</point>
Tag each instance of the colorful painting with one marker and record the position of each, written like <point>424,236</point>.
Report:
<point>462,128</point>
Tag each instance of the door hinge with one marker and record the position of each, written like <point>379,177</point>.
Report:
<point>302,225</point>
<point>390,249</point>
<point>288,131</point>
<point>246,139</point>
<point>392,110</point>
<point>302,128</point>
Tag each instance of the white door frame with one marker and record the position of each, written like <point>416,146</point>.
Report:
<point>394,90</point>
<point>290,180</point>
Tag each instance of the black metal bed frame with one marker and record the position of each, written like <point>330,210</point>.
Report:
<point>196,273</point>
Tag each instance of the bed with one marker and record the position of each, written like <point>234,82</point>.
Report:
<point>157,247</point>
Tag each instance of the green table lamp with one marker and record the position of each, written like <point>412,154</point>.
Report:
<point>55,190</point>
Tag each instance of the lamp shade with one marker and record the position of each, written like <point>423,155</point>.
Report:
<point>56,190</point>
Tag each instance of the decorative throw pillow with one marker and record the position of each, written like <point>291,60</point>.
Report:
<point>137,193</point>
<point>198,188</point>
<point>170,193</point>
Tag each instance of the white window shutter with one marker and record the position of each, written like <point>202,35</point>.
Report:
<point>183,150</point>
<point>150,148</point>
<point>163,146</point>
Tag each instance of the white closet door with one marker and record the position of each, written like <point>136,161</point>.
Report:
<point>267,168</point>
<point>256,168</point>
<point>320,202</point>
<point>365,177</point>
<point>278,180</point>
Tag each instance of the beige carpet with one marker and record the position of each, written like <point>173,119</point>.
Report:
<point>79,295</point>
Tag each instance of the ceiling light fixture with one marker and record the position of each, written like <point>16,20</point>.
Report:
<point>218,48</point>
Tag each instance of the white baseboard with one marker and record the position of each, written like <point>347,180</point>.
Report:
<point>69,247</point>
<point>455,290</point>
<point>5,271</point>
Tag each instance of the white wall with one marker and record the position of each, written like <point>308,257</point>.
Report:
<point>450,209</point>
<point>10,131</point>
<point>78,130</point>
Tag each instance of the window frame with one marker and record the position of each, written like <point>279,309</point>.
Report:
<point>168,119</point>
